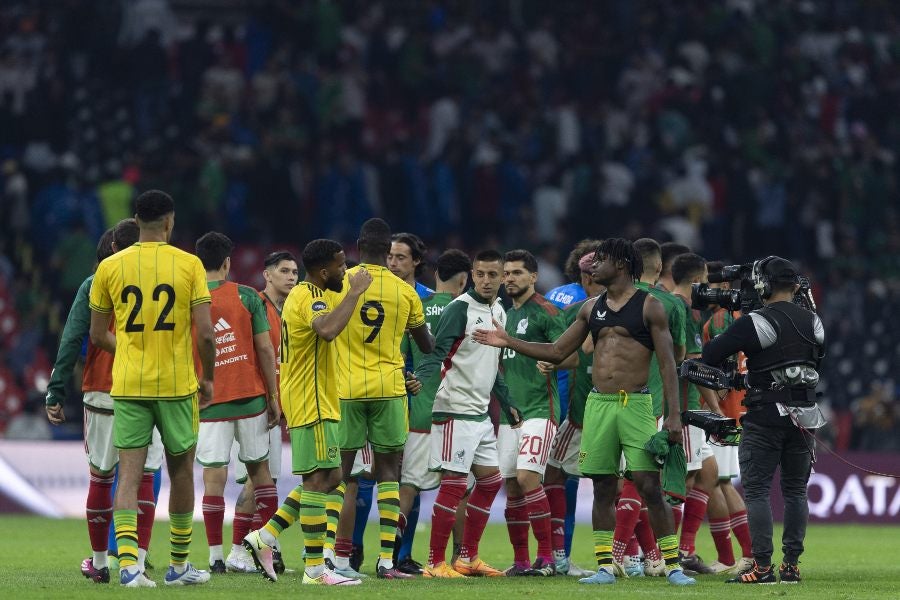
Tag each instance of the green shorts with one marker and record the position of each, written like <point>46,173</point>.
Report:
<point>617,424</point>
<point>315,447</point>
<point>384,423</point>
<point>178,422</point>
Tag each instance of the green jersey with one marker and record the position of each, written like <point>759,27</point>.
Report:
<point>580,383</point>
<point>693,337</point>
<point>421,404</point>
<point>676,317</point>
<point>535,395</point>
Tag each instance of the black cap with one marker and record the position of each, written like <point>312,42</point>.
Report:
<point>779,269</point>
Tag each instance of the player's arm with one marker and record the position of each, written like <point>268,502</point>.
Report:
<point>78,325</point>
<point>206,349</point>
<point>740,336</point>
<point>554,327</point>
<point>677,326</point>
<point>655,318</point>
<point>329,325</point>
<point>101,336</point>
<point>710,398</point>
<point>554,352</point>
<point>265,354</point>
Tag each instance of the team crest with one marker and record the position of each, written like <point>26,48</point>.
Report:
<point>460,456</point>
<point>332,453</point>
<point>581,457</point>
<point>522,327</point>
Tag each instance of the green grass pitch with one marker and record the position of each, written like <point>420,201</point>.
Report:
<point>39,558</point>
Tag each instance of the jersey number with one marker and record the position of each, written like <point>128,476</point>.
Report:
<point>376,321</point>
<point>508,353</point>
<point>158,291</point>
<point>285,350</point>
<point>531,444</point>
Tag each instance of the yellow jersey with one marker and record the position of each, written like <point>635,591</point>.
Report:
<point>370,364</point>
<point>308,362</point>
<point>151,288</point>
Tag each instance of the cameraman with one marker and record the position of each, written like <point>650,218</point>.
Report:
<point>784,344</point>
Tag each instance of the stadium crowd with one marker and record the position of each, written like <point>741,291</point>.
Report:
<point>741,128</point>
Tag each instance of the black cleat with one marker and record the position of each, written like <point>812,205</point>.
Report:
<point>694,565</point>
<point>277,561</point>
<point>757,575</point>
<point>356,557</point>
<point>218,567</point>
<point>409,566</point>
<point>789,573</point>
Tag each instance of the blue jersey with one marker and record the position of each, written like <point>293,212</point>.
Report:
<point>423,290</point>
<point>562,297</point>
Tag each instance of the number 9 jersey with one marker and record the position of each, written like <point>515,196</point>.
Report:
<point>370,364</point>
<point>151,287</point>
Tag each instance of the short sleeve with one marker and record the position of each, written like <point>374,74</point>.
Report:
<point>416,311</point>
<point>256,307</point>
<point>199,287</point>
<point>99,299</point>
<point>677,323</point>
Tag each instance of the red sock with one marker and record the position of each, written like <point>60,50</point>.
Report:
<point>633,548</point>
<point>443,516</point>
<point>677,513</point>
<point>556,495</point>
<point>342,547</point>
<point>478,511</point>
<point>539,515</point>
<point>721,535</point>
<point>98,510</point>
<point>517,523</point>
<point>240,527</point>
<point>645,536</point>
<point>694,511</point>
<point>266,498</point>
<point>146,511</point>
<point>213,516</point>
<point>628,510</point>
<point>257,521</point>
<point>742,532</point>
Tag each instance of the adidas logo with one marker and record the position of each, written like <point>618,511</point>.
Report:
<point>601,315</point>
<point>479,321</point>
<point>221,325</point>
<point>97,520</point>
<point>532,461</point>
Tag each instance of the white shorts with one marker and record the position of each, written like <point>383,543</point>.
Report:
<point>566,449</point>
<point>362,462</point>
<point>102,453</point>
<point>457,444</point>
<point>696,448</point>
<point>216,438</point>
<point>240,469</point>
<point>727,457</point>
<point>416,457</point>
<point>526,448</point>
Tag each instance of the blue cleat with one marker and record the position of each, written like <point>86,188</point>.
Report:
<point>190,576</point>
<point>677,577</point>
<point>602,577</point>
<point>634,566</point>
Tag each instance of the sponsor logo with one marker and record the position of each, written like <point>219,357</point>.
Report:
<point>601,315</point>
<point>522,326</point>
<point>221,325</point>
<point>319,305</point>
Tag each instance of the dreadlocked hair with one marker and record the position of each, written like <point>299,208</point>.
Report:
<point>621,249</point>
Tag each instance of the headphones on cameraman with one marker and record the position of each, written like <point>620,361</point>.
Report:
<point>761,281</point>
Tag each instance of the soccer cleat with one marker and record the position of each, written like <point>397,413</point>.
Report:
<point>634,566</point>
<point>789,573</point>
<point>692,562</point>
<point>718,568</point>
<point>543,568</point>
<point>348,572</point>
<point>476,568</point>
<point>654,568</point>
<point>603,576</point>
<point>518,571</point>
<point>441,571</point>
<point>356,557</point>
<point>409,566</point>
<point>744,564</point>
<point>97,575</point>
<point>135,580</point>
<point>562,562</point>
<point>261,554</point>
<point>757,575</point>
<point>218,567</point>
<point>190,576</point>
<point>618,569</point>
<point>677,577</point>
<point>240,561</point>
<point>576,571</point>
<point>329,577</point>
<point>389,573</point>
<point>277,562</point>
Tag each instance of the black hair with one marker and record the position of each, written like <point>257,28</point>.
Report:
<point>649,250</point>
<point>488,256</point>
<point>572,269</point>
<point>620,249</point>
<point>687,266</point>
<point>375,238</point>
<point>525,257</point>
<point>668,252</point>
<point>104,245</point>
<point>453,262</point>
<point>212,249</point>
<point>276,257</point>
<point>417,248</point>
<point>318,253</point>
<point>153,205</point>
<point>125,233</point>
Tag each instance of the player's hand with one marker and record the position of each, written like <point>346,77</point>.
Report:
<point>517,419</point>
<point>672,424</point>
<point>413,385</point>
<point>55,414</point>
<point>496,337</point>
<point>204,393</point>
<point>546,368</point>
<point>273,411</point>
<point>360,281</point>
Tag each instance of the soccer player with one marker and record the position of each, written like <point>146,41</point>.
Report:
<point>314,314</point>
<point>245,405</point>
<point>627,325</point>
<point>462,435</point>
<point>372,385</point>
<point>98,419</point>
<point>524,450</point>
<point>562,463</point>
<point>280,274</point>
<point>452,275</point>
<point>668,252</point>
<point>157,294</point>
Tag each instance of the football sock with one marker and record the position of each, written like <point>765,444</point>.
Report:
<point>240,527</point>
<point>633,548</point>
<point>313,524</point>
<point>180,529</point>
<point>556,496</point>
<point>342,548</point>
<point>284,517</point>
<point>721,534</point>
<point>694,511</point>
<point>645,536</point>
<point>478,511</point>
<point>539,515</point>
<point>628,511</point>
<point>742,531</point>
<point>332,513</point>
<point>668,546</point>
<point>517,524</point>
<point>213,518</point>
<point>98,510</point>
<point>389,515</point>
<point>126,537</point>
<point>266,498</point>
<point>409,533</point>
<point>603,540</point>
<point>363,508</point>
<point>571,504</point>
<point>443,516</point>
<point>146,511</point>
<point>113,547</point>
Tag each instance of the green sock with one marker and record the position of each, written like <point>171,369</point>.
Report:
<point>312,521</point>
<point>603,541</point>
<point>389,514</point>
<point>286,514</point>
<point>668,546</point>
<point>180,529</point>
<point>126,537</point>
<point>332,512</point>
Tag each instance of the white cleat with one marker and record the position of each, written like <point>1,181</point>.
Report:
<point>240,561</point>
<point>329,577</point>
<point>261,554</point>
<point>654,568</point>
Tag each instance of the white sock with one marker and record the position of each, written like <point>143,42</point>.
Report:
<point>328,554</point>
<point>341,562</point>
<point>178,568</point>
<point>267,538</point>
<point>142,559</point>
<point>387,563</point>
<point>215,553</point>
<point>236,549</point>
<point>100,559</point>
<point>132,569</point>
<point>315,571</point>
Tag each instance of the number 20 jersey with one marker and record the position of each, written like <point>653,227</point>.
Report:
<point>370,364</point>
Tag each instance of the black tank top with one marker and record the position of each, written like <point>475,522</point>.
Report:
<point>630,317</point>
